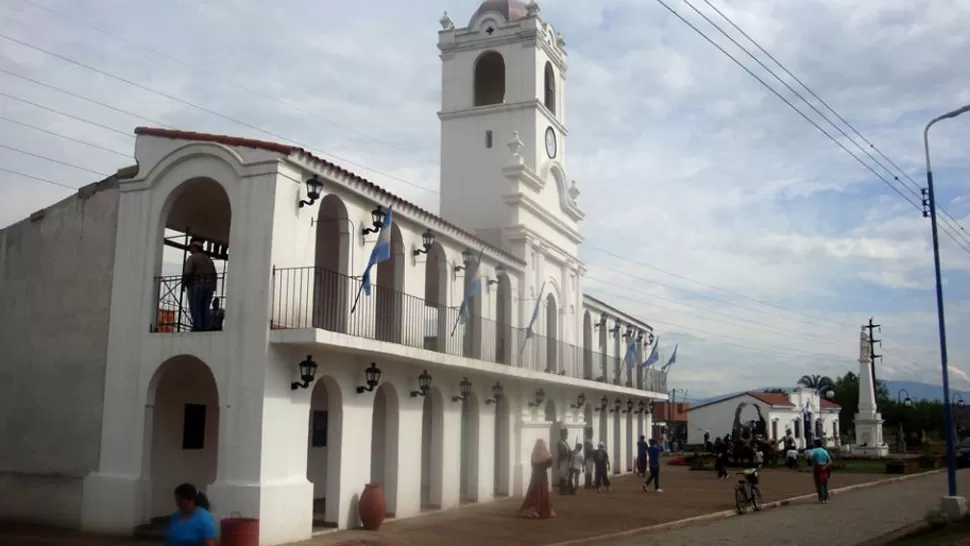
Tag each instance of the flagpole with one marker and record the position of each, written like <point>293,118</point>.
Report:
<point>357,299</point>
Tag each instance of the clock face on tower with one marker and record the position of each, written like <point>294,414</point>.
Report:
<point>551,143</point>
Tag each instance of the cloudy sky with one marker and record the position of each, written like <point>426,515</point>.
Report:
<point>720,215</point>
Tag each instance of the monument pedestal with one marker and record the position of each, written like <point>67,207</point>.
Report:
<point>868,436</point>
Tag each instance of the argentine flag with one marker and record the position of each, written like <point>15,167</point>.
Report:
<point>631,354</point>
<point>380,252</point>
<point>654,354</point>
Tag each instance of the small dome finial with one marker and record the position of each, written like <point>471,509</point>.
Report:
<point>446,22</point>
<point>532,8</point>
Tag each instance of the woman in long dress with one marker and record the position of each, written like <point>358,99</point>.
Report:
<point>538,500</point>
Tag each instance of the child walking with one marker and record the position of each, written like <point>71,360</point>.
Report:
<point>576,468</point>
<point>601,464</point>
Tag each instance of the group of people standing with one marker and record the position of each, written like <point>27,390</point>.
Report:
<point>581,458</point>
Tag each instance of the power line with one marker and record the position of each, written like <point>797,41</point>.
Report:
<point>826,105</point>
<point>59,135</point>
<point>52,160</point>
<point>38,178</point>
<point>802,114</point>
<point>215,75</point>
<point>92,101</point>
<point>65,114</point>
<point>206,110</point>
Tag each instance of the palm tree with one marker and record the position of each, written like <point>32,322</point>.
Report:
<point>818,383</point>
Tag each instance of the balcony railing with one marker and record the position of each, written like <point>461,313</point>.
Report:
<point>310,297</point>
<point>173,312</point>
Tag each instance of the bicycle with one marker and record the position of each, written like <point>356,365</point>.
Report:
<point>746,492</point>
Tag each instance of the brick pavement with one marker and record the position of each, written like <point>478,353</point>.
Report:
<point>849,519</point>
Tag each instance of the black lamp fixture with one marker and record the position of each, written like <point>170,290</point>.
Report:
<point>616,327</point>
<point>427,241</point>
<point>497,393</point>
<point>377,220</point>
<point>373,377</point>
<point>629,406</point>
<point>580,401</point>
<point>540,397</point>
<point>465,388</point>
<point>499,271</point>
<point>308,371</point>
<point>466,256</point>
<point>629,331</point>
<point>602,321</point>
<point>604,402</point>
<point>424,385</point>
<point>616,405</point>
<point>313,188</point>
<point>641,407</point>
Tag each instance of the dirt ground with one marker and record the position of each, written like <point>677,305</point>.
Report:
<point>685,494</point>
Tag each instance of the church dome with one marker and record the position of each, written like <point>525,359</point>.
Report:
<point>512,10</point>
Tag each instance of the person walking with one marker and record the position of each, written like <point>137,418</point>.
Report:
<point>601,462</point>
<point>588,451</point>
<point>642,457</point>
<point>821,466</point>
<point>576,468</point>
<point>538,502</point>
<point>653,454</point>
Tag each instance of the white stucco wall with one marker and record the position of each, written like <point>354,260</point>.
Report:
<point>55,294</point>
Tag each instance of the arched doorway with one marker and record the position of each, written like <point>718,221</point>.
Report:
<point>389,291</point>
<point>616,448</point>
<point>629,442</point>
<point>503,317</point>
<point>469,449</point>
<point>432,449</point>
<point>384,444</point>
<point>436,300</point>
<point>323,450</point>
<point>184,405</point>
<point>552,335</point>
<point>195,234</point>
<point>489,79</point>
<point>501,443</point>
<point>331,265</point>
<point>472,328</point>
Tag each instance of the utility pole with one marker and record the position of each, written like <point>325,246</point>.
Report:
<point>872,354</point>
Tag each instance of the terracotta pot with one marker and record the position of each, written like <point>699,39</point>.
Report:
<point>372,507</point>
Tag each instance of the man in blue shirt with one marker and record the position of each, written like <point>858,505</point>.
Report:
<point>653,458</point>
<point>822,465</point>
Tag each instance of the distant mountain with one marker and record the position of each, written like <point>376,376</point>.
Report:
<point>917,391</point>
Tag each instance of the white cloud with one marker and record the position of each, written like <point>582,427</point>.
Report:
<point>685,162</point>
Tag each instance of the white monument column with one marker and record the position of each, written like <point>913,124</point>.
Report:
<point>868,421</point>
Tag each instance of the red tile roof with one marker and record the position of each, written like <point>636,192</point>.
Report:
<point>830,404</point>
<point>288,149</point>
<point>771,398</point>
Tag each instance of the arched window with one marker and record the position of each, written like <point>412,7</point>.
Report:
<point>550,88</point>
<point>489,79</point>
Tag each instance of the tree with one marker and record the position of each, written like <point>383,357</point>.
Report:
<point>775,390</point>
<point>818,383</point>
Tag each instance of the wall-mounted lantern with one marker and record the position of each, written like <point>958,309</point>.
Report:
<point>602,321</point>
<point>616,328</point>
<point>616,406</point>
<point>540,397</point>
<point>604,402</point>
<point>499,271</point>
<point>372,375</point>
<point>427,241</point>
<point>641,407</point>
<point>497,393</point>
<point>308,371</point>
<point>313,188</point>
<point>424,385</point>
<point>377,220</point>
<point>649,340</point>
<point>629,406</point>
<point>580,401</point>
<point>466,256</point>
<point>465,388</point>
<point>629,331</point>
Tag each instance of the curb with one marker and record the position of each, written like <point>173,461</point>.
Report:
<point>733,513</point>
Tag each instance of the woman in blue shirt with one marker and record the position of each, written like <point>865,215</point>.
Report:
<point>192,524</point>
<point>822,465</point>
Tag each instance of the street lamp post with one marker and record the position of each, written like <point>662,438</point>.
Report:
<point>951,469</point>
<point>903,403</point>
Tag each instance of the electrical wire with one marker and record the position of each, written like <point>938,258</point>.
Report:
<point>38,178</point>
<point>52,160</point>
<point>59,135</point>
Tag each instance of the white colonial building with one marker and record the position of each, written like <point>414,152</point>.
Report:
<point>109,399</point>
<point>803,412</point>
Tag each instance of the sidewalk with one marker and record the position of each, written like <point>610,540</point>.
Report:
<point>849,519</point>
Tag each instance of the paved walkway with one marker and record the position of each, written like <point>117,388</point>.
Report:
<point>849,519</point>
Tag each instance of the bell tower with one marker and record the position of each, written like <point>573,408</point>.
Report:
<point>503,132</point>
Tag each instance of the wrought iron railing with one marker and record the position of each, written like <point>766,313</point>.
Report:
<point>311,297</point>
<point>173,310</point>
